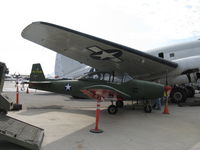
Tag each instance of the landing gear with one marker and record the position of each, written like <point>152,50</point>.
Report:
<point>147,109</point>
<point>112,109</point>
<point>178,95</point>
<point>120,104</point>
<point>147,106</point>
<point>190,91</point>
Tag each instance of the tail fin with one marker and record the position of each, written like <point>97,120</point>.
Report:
<point>37,73</point>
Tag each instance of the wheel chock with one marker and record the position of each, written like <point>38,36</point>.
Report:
<point>16,107</point>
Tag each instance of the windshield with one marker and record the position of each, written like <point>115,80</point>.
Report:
<point>127,78</point>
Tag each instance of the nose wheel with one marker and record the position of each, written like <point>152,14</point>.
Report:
<point>113,109</point>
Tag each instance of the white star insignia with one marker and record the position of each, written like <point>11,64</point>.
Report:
<point>68,87</point>
<point>104,55</point>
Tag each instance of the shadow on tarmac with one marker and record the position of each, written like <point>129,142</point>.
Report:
<point>86,110</point>
<point>133,130</point>
<point>4,145</point>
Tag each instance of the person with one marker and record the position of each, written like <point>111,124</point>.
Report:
<point>157,104</point>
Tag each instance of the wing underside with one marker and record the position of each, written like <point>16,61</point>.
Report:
<point>95,52</point>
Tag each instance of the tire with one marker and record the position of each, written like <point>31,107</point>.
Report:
<point>147,109</point>
<point>178,95</point>
<point>112,109</point>
<point>3,112</point>
<point>120,104</point>
<point>190,91</point>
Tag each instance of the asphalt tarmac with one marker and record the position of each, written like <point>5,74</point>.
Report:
<point>67,122</point>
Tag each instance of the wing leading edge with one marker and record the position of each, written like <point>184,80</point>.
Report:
<point>95,52</point>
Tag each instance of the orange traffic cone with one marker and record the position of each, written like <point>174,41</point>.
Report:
<point>166,110</point>
<point>27,91</point>
<point>167,90</point>
<point>17,95</point>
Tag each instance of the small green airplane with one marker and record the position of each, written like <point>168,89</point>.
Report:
<point>103,84</point>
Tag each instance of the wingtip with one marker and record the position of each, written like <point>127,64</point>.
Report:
<point>23,33</point>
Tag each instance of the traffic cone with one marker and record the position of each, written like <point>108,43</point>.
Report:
<point>17,95</point>
<point>17,106</point>
<point>167,90</point>
<point>96,129</point>
<point>166,110</point>
<point>27,91</point>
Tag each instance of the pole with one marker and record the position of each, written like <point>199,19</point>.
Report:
<point>17,106</point>
<point>17,94</point>
<point>99,99</point>
<point>96,129</point>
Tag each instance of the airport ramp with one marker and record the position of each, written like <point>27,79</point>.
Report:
<point>20,133</point>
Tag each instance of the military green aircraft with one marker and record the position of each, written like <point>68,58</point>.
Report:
<point>103,84</point>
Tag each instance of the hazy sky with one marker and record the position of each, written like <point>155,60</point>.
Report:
<point>140,24</point>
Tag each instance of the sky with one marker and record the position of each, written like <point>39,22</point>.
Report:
<point>140,24</point>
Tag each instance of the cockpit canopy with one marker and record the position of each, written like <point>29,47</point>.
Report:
<point>108,77</point>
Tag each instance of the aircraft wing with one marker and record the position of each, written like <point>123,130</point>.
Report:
<point>95,52</point>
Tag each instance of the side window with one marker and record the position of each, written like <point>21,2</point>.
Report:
<point>117,80</point>
<point>171,55</point>
<point>107,77</point>
<point>161,55</point>
<point>93,76</point>
<point>127,78</point>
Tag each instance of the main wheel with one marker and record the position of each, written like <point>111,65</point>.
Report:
<point>148,109</point>
<point>120,104</point>
<point>190,91</point>
<point>112,109</point>
<point>178,95</point>
<point>3,112</point>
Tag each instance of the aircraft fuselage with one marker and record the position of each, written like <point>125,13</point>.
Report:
<point>187,57</point>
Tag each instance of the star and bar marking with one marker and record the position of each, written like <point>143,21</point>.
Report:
<point>109,54</point>
<point>68,87</point>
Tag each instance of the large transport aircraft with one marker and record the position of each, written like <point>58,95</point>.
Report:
<point>167,65</point>
<point>111,87</point>
<point>66,67</point>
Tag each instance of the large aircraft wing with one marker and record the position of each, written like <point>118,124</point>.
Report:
<point>95,52</point>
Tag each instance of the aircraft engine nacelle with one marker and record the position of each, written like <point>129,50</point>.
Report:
<point>186,65</point>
